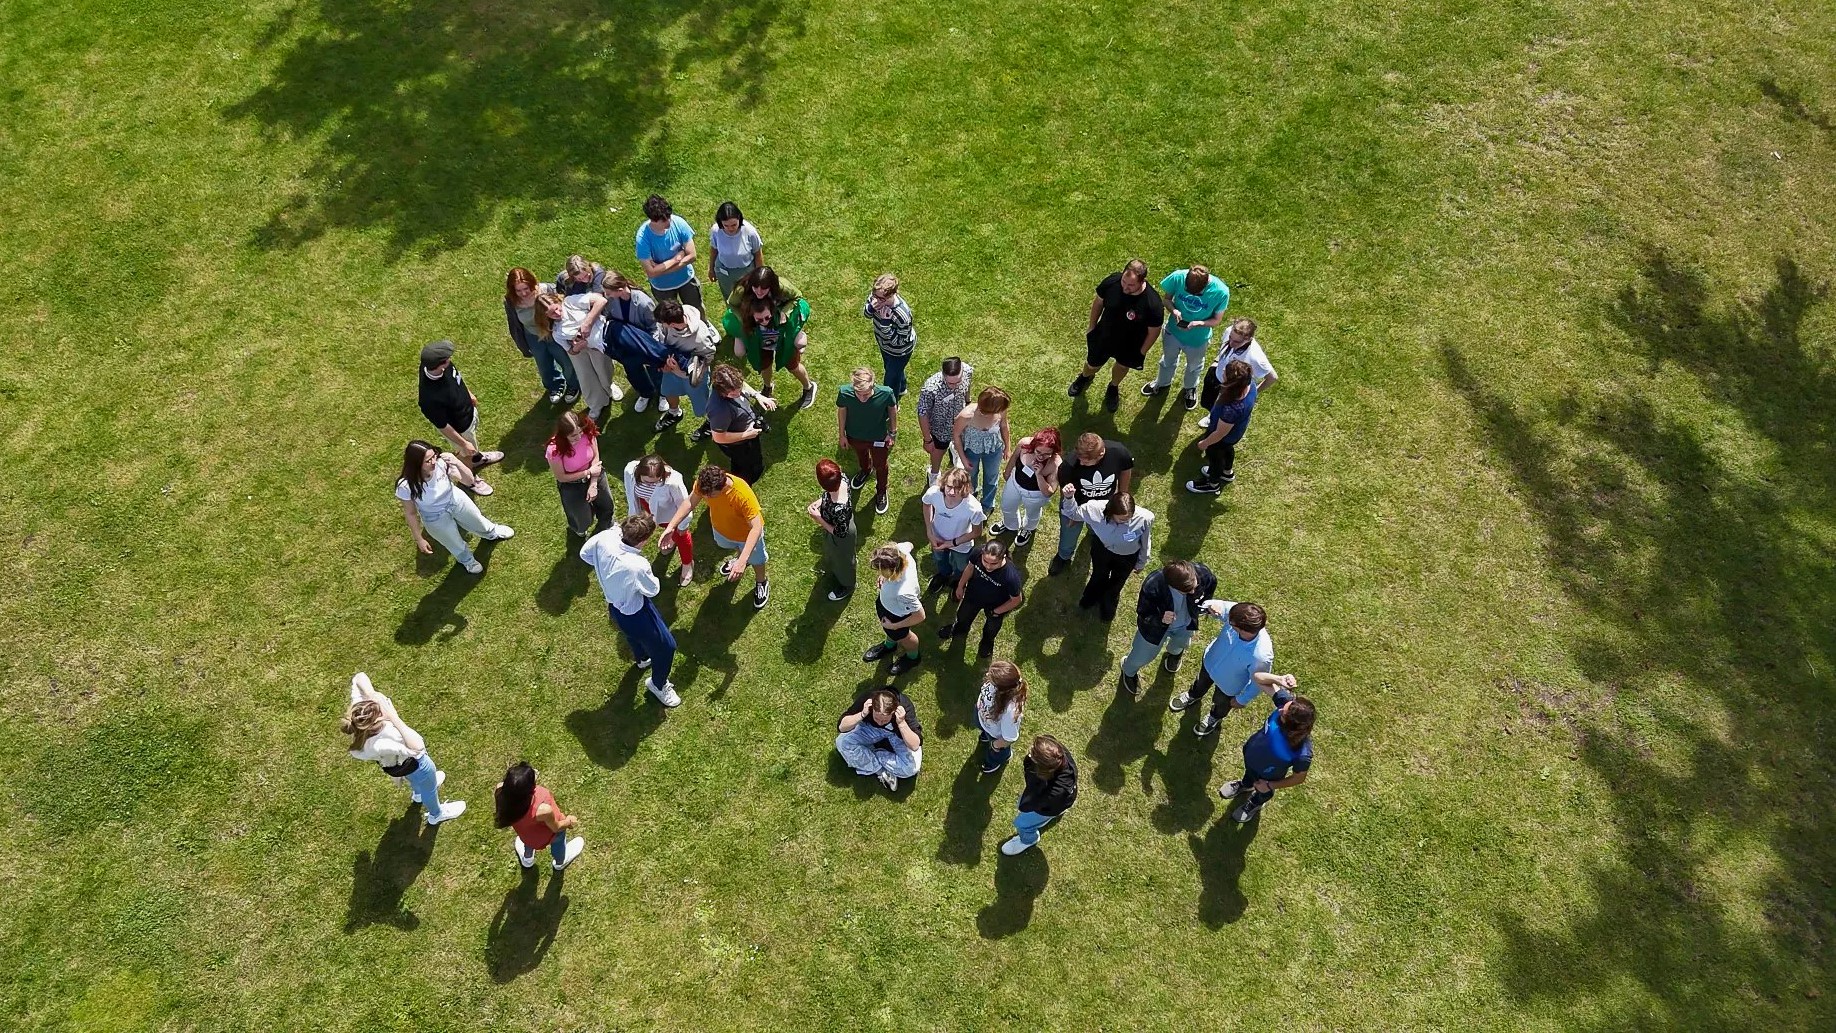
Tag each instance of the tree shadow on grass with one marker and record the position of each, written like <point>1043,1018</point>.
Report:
<point>1791,102</point>
<point>382,877</point>
<point>1219,857</point>
<point>1018,881</point>
<point>525,926</point>
<point>611,734</point>
<point>1698,562</point>
<point>437,120</point>
<point>971,808</point>
<point>437,614</point>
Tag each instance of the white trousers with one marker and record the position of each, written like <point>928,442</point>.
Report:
<point>1013,497</point>
<point>448,527</point>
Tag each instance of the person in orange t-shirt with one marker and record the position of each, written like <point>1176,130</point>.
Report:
<point>737,521</point>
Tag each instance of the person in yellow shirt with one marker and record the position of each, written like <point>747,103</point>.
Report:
<point>737,522</point>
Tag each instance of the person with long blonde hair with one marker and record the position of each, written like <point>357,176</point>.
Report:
<point>553,366</point>
<point>379,735</point>
<point>997,710</point>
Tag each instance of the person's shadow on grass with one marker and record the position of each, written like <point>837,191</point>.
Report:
<point>1220,859</point>
<point>524,927</point>
<point>807,632</point>
<point>611,734</point>
<point>1018,881</point>
<point>1128,731</point>
<point>437,614</point>
<point>1184,768</point>
<point>381,878</point>
<point>567,580</point>
<point>971,808</point>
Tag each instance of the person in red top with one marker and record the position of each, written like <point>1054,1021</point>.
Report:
<point>530,809</point>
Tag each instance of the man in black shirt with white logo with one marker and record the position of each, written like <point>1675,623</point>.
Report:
<point>1097,469</point>
<point>452,408</point>
<point>1125,321</point>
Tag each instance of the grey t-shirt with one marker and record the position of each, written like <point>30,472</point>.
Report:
<point>730,415</point>
<point>735,250</point>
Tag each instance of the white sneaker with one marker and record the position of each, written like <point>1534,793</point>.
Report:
<point>1204,422</point>
<point>1229,790</point>
<point>439,780</point>
<point>1179,702</point>
<point>665,695</point>
<point>481,489</point>
<point>641,404</point>
<point>889,780</point>
<point>618,393</point>
<point>503,531</point>
<point>574,848</point>
<point>450,810</point>
<point>524,855</point>
<point>644,665</point>
<point>1015,846</point>
<point>474,567</point>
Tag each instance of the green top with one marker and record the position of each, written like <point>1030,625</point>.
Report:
<point>866,420</point>
<point>781,338</point>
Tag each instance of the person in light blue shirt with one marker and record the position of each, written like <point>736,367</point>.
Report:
<point>1238,665</point>
<point>1196,301</point>
<point>666,249</point>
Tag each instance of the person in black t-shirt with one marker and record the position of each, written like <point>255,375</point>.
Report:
<point>1125,321</point>
<point>990,585</point>
<point>1097,469</point>
<point>735,426</point>
<point>453,410</point>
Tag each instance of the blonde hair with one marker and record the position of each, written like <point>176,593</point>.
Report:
<point>363,720</point>
<point>543,322</point>
<point>578,266</point>
<point>863,377</point>
<point>889,560</point>
<point>885,285</point>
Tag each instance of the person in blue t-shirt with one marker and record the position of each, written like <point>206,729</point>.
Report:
<point>1277,756</point>
<point>1196,301</point>
<point>1229,419</point>
<point>666,249</point>
<point>1237,667</point>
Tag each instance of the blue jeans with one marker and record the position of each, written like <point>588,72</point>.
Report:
<point>554,367</point>
<point>1142,652</point>
<point>557,848</point>
<point>1029,825</point>
<point>895,371</point>
<point>991,757</point>
<point>985,470</point>
<point>950,563</point>
<point>425,781</point>
<point>1069,531</point>
<point>649,638</point>
<point>1170,351</point>
<point>672,385</point>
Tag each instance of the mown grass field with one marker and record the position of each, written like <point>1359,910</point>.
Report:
<point>1541,511</point>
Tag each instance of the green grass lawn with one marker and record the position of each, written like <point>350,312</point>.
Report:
<point>1541,511</point>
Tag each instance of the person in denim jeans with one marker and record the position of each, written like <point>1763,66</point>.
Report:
<point>551,361</point>
<point>981,435</point>
<point>998,709</point>
<point>380,735</point>
<point>1051,789</point>
<point>880,737</point>
<point>1098,468</point>
<point>892,329</point>
<point>528,807</point>
<point>1167,612</point>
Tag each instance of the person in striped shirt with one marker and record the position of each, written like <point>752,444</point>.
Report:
<point>892,330</point>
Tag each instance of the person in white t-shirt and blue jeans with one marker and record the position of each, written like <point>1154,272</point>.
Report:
<point>379,735</point>
<point>434,506</point>
<point>953,522</point>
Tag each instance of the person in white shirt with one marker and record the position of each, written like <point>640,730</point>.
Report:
<point>953,520</point>
<point>900,607</point>
<point>629,586</point>
<point>652,486</point>
<point>576,322</point>
<point>433,506</point>
<point>1124,535</point>
<point>997,711</point>
<point>378,734</point>
<point>1239,343</point>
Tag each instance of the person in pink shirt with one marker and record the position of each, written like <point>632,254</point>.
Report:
<point>573,457</point>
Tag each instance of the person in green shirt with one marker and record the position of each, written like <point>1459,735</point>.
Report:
<point>866,418</point>
<point>1196,301</point>
<point>765,319</point>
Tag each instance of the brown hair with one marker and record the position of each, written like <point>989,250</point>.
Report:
<point>1120,506</point>
<point>1248,617</point>
<point>1136,266</point>
<point>1197,279</point>
<point>1009,687</point>
<point>652,465</point>
<point>1048,755</point>
<point>363,720</point>
<point>543,322</point>
<point>518,277</point>
<point>1236,379</point>
<point>992,400</point>
<point>1089,443</point>
<point>958,478</point>
<point>888,697</point>
<point>615,281</point>
<point>1297,720</point>
<point>725,378</point>
<point>885,285</point>
<point>638,527</point>
<point>669,310</point>
<point>828,474</point>
<point>889,560</point>
<point>712,480</point>
<point>1181,575</point>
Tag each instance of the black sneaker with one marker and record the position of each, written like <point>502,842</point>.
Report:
<point>1112,398</point>
<point>859,480</point>
<point>767,391</point>
<point>761,594</point>
<point>1190,398</point>
<point>701,433</point>
<point>880,503</point>
<point>669,419</point>
<point>1154,390</point>
<point>1023,539</point>
<point>1170,662</point>
<point>1078,385</point>
<point>1228,476</point>
<point>1203,487</point>
<point>1131,684</point>
<point>809,395</point>
<point>946,633</point>
<point>554,397</point>
<point>903,664</point>
<point>1057,566</point>
<point>937,583</point>
<point>880,651</point>
<point>570,398</point>
<point>995,529</point>
<point>985,653</point>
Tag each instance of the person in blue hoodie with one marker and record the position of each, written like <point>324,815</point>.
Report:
<point>1277,756</point>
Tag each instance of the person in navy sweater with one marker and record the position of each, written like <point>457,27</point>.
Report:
<point>1229,419</point>
<point>1277,756</point>
<point>1051,789</point>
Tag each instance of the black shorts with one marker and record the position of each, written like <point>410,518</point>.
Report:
<point>887,615</point>
<point>1098,351</point>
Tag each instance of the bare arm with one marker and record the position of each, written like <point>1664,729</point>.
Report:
<point>414,526</point>
<point>1096,312</point>
<point>682,512</point>
<point>755,529</point>
<point>912,742</point>
<point>1216,435</point>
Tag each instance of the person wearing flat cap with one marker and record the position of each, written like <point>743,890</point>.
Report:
<point>452,408</point>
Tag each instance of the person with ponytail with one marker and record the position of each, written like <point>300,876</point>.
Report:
<point>1229,419</point>
<point>1277,756</point>
<point>998,709</point>
<point>528,807</point>
<point>380,735</point>
<point>1051,789</point>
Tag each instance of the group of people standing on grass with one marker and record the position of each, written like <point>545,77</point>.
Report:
<point>590,319</point>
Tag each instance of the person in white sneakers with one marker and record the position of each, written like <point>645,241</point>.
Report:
<point>380,735</point>
<point>432,505</point>
<point>1051,789</point>
<point>452,409</point>
<point>625,577</point>
<point>528,807</point>
<point>881,737</point>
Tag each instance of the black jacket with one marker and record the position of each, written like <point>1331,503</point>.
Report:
<point>447,402</point>
<point>1053,797</point>
<point>1156,599</point>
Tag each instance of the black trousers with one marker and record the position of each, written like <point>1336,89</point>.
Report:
<point>581,514</point>
<point>1220,459</point>
<point>965,617</point>
<point>1208,394</point>
<point>746,459</point>
<point>1220,703</point>
<point>1108,573</point>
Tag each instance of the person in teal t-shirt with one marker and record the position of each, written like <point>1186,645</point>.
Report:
<point>1196,301</point>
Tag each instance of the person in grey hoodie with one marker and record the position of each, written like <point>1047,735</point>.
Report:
<point>1124,536</point>
<point>690,342</point>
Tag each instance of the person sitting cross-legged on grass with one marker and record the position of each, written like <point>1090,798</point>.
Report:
<point>1167,611</point>
<point>630,587</point>
<point>433,505</point>
<point>953,522</point>
<point>900,607</point>
<point>528,807</point>
<point>881,737</point>
<point>379,734</point>
<point>1237,665</point>
<point>1229,419</point>
<point>738,523</point>
<point>1051,789</point>
<point>998,709</point>
<point>989,584</point>
<point>1277,756</point>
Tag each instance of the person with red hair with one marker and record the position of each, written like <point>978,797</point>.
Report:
<point>551,361</point>
<point>1032,480</point>
<point>580,476</point>
<point>834,513</point>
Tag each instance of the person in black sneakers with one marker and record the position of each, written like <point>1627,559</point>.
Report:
<point>734,425</point>
<point>881,737</point>
<point>1167,612</point>
<point>453,410</point>
<point>990,585</point>
<point>900,607</point>
<point>1229,419</point>
<point>1097,468</point>
<point>1125,321</point>
<point>1051,789</point>
<point>1277,756</point>
<point>1123,536</point>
